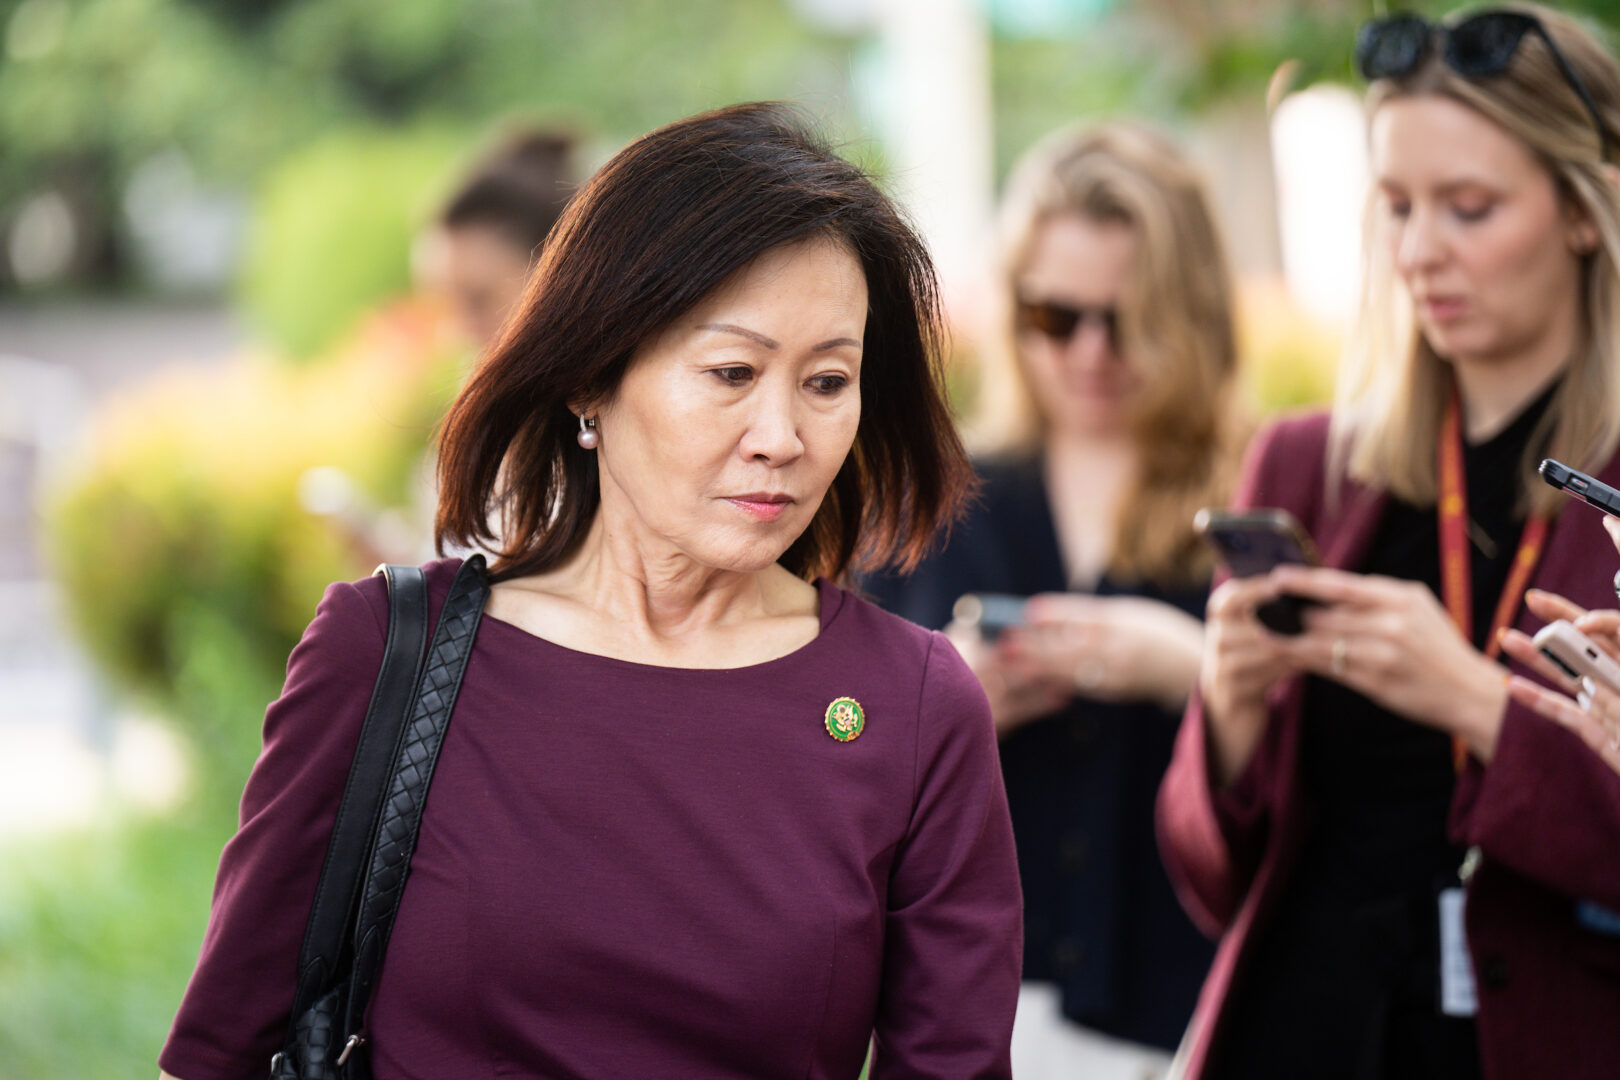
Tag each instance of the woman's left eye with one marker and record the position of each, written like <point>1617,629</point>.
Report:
<point>828,384</point>
<point>1472,212</point>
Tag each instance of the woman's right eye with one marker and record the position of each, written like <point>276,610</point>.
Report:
<point>1399,209</point>
<point>734,375</point>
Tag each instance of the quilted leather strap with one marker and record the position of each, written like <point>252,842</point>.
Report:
<point>415,758</point>
<point>332,914</point>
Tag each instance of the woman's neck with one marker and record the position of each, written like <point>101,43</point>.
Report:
<point>1086,482</point>
<point>1494,392</point>
<point>1114,452</point>
<point>652,590</point>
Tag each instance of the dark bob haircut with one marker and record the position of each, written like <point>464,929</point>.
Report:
<point>654,232</point>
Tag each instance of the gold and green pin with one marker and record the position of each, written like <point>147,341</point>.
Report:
<point>845,719</point>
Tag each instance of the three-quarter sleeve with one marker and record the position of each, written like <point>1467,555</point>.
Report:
<point>953,928</point>
<point>1211,838</point>
<point>235,1010</point>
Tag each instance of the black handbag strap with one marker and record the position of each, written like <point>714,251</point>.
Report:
<point>331,916</point>
<point>416,755</point>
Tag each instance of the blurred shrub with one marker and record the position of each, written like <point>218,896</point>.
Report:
<point>189,565</point>
<point>331,232</point>
<point>1289,356</point>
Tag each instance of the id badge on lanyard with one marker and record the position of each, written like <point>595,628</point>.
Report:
<point>1458,996</point>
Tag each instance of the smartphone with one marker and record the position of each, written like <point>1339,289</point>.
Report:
<point>1576,655</point>
<point>1251,542</point>
<point>989,613</point>
<point>1586,488</point>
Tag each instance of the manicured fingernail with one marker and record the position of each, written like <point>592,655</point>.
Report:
<point>1584,702</point>
<point>1588,685</point>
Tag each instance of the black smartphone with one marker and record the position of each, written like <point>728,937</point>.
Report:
<point>1251,542</point>
<point>1586,488</point>
<point>989,613</point>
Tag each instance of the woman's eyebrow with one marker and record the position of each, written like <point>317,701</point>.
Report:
<point>760,339</point>
<point>752,335</point>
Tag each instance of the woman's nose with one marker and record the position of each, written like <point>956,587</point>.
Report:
<point>772,434</point>
<point>1420,244</point>
<point>1092,342</point>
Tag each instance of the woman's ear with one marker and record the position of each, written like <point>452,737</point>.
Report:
<point>1583,234</point>
<point>584,406</point>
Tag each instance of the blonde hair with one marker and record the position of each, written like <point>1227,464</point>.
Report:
<point>1175,326</point>
<point>1393,387</point>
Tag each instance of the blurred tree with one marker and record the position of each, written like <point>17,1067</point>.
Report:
<point>103,85</point>
<point>330,234</point>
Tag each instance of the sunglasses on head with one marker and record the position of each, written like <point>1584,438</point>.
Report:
<point>1476,47</point>
<point>1060,321</point>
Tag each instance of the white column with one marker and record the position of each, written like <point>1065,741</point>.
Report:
<point>933,109</point>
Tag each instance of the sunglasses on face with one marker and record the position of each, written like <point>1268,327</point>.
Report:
<point>1060,321</point>
<point>1477,47</point>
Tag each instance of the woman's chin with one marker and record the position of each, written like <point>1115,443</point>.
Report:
<point>745,556</point>
<point>1096,418</point>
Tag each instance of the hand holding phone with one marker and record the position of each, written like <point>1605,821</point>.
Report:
<point>1252,542</point>
<point>1576,655</point>
<point>989,613</point>
<point>1577,484</point>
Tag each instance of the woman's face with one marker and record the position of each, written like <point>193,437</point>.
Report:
<point>480,272</point>
<point>727,430</point>
<point>1475,227</point>
<point>1081,383</point>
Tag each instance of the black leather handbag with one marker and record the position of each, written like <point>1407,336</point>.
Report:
<point>374,834</point>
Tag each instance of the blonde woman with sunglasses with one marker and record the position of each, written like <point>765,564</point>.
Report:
<point>1414,875</point>
<point>1105,421</point>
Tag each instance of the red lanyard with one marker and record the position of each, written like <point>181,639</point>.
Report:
<point>1456,565</point>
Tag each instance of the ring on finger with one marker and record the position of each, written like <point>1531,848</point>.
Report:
<point>1341,649</point>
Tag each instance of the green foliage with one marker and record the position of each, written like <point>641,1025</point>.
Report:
<point>89,89</point>
<point>1044,83</point>
<point>99,932</point>
<point>332,230</point>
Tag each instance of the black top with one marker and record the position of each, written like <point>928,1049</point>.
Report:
<point>1344,983</point>
<point>1100,918</point>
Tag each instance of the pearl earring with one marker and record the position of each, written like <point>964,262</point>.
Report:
<point>588,438</point>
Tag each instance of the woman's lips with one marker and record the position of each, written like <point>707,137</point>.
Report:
<point>761,507</point>
<point>1442,309</point>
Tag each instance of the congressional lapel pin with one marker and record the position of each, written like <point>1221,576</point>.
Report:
<point>845,719</point>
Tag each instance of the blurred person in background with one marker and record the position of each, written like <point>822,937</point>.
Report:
<point>1336,795</point>
<point>475,258</point>
<point>1108,416</point>
<point>479,250</point>
<point>700,812</point>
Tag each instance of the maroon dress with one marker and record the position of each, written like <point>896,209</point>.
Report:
<point>637,871</point>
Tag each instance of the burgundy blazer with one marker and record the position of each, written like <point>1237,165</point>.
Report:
<point>1545,813</point>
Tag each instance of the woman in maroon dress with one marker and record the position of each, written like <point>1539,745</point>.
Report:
<point>700,812</point>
